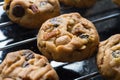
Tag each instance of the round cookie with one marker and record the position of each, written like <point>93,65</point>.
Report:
<point>68,38</point>
<point>116,2</point>
<point>31,13</point>
<point>26,65</point>
<point>108,58</point>
<point>79,3</point>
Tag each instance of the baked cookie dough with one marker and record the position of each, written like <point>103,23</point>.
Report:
<point>31,13</point>
<point>79,3</point>
<point>68,38</point>
<point>26,65</point>
<point>116,2</point>
<point>108,58</point>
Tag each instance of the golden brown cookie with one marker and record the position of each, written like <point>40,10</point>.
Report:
<point>79,3</point>
<point>26,65</point>
<point>31,13</point>
<point>116,2</point>
<point>108,58</point>
<point>68,38</point>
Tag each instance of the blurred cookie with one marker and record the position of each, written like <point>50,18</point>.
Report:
<point>108,58</point>
<point>31,13</point>
<point>26,65</point>
<point>68,37</point>
<point>116,2</point>
<point>79,3</point>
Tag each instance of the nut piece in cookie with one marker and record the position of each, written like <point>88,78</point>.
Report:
<point>31,13</point>
<point>79,3</point>
<point>68,38</point>
<point>108,58</point>
<point>26,65</point>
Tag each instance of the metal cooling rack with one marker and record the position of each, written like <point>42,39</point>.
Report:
<point>22,42</point>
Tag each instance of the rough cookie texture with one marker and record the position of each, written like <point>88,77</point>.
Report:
<point>116,2</point>
<point>108,58</point>
<point>31,13</point>
<point>79,3</point>
<point>26,65</point>
<point>68,37</point>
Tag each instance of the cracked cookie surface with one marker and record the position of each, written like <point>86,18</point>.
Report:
<point>108,58</point>
<point>68,38</point>
<point>26,65</point>
<point>31,13</point>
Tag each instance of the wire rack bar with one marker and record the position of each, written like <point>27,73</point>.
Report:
<point>94,21</point>
<point>1,3</point>
<point>106,17</point>
<point>18,43</point>
<point>5,24</point>
<point>32,39</point>
<point>88,76</point>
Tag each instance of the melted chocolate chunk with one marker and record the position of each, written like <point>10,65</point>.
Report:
<point>84,36</point>
<point>28,55</point>
<point>25,64</point>
<point>18,11</point>
<point>34,8</point>
<point>116,53</point>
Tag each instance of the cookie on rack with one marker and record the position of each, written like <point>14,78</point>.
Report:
<point>108,58</point>
<point>68,38</point>
<point>26,65</point>
<point>116,2</point>
<point>79,3</point>
<point>31,13</point>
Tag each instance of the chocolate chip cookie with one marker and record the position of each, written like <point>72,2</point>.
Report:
<point>68,38</point>
<point>79,3</point>
<point>31,13</point>
<point>108,58</point>
<point>26,65</point>
<point>116,2</point>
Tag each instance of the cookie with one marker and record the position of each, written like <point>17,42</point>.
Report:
<point>26,65</point>
<point>108,58</point>
<point>79,3</point>
<point>68,38</point>
<point>116,2</point>
<point>31,13</point>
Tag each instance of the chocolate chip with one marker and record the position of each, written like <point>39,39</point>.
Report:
<point>34,8</point>
<point>116,53</point>
<point>25,64</point>
<point>43,3</point>
<point>18,11</point>
<point>28,55</point>
<point>55,21</point>
<point>84,36</point>
<point>55,25</point>
<point>8,7</point>
<point>44,64</point>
